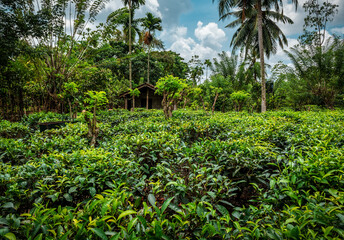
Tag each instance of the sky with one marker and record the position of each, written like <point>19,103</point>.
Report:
<point>192,27</point>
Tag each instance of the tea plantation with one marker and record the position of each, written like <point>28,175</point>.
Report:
<point>278,175</point>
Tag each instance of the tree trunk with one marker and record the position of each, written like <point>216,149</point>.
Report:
<point>21,102</point>
<point>185,101</point>
<point>148,64</point>
<point>130,67</point>
<point>13,104</point>
<point>170,109</point>
<point>213,109</point>
<point>254,70</point>
<point>164,105</point>
<point>70,109</point>
<point>133,107</point>
<point>95,130</point>
<point>148,69</point>
<point>147,98</point>
<point>261,54</point>
<point>203,103</point>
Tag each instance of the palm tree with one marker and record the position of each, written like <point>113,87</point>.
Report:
<point>207,63</point>
<point>247,6</point>
<point>151,24</point>
<point>120,17</point>
<point>230,68</point>
<point>131,4</point>
<point>225,65</point>
<point>246,36</point>
<point>252,66</point>
<point>321,69</point>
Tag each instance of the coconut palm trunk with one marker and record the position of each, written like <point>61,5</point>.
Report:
<point>148,69</point>
<point>261,54</point>
<point>130,65</point>
<point>148,64</point>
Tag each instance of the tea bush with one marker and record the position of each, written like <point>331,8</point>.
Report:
<point>278,175</point>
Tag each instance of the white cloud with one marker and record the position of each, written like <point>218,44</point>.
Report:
<point>206,44</point>
<point>150,6</point>
<point>338,30</point>
<point>113,5</point>
<point>210,35</point>
<point>180,32</point>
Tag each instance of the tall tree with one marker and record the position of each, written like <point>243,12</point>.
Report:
<point>131,4</point>
<point>207,64</point>
<point>315,59</point>
<point>56,33</point>
<point>226,6</point>
<point>151,24</point>
<point>16,23</point>
<point>120,18</point>
<point>246,36</point>
<point>225,65</point>
<point>231,69</point>
<point>196,69</point>
<point>318,16</point>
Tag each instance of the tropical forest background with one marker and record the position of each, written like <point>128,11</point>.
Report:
<point>48,53</point>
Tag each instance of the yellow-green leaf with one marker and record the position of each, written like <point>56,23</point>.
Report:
<point>126,213</point>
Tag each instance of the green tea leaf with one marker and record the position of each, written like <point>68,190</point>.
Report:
<point>92,191</point>
<point>72,189</point>
<point>333,192</point>
<point>8,205</point>
<point>126,213</point>
<point>100,233</point>
<point>68,197</point>
<point>151,199</point>
<point>10,236</point>
<point>222,210</point>
<point>165,205</point>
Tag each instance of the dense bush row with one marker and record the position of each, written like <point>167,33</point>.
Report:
<point>277,175</point>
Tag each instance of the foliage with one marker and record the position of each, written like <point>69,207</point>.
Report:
<point>13,130</point>
<point>246,36</point>
<point>224,176</point>
<point>196,70</point>
<point>94,101</point>
<point>318,16</point>
<point>120,17</point>
<point>60,49</point>
<point>239,98</point>
<point>134,92</point>
<point>69,93</point>
<point>46,45</point>
<point>172,64</point>
<point>320,70</point>
<point>258,28</point>
<point>172,89</point>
